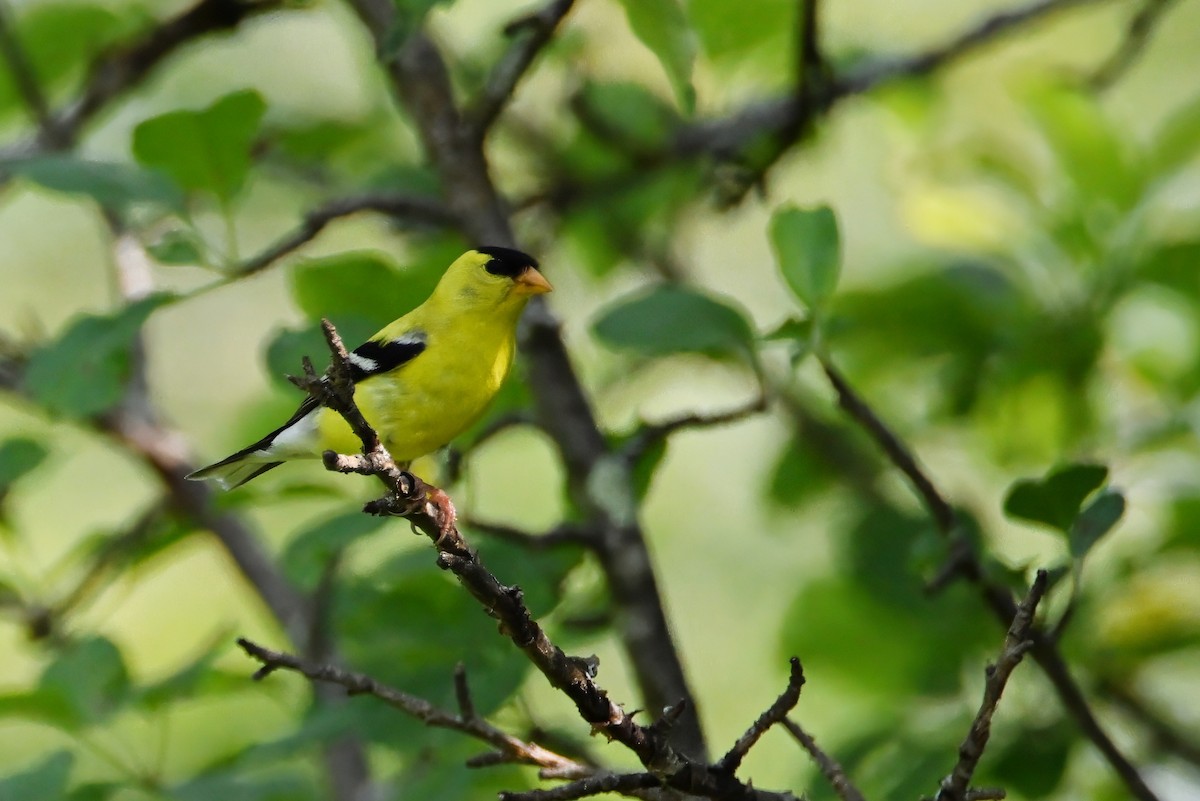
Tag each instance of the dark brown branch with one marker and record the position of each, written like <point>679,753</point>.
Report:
<point>997,597</point>
<point>1166,735</point>
<point>730,135</point>
<point>24,79</point>
<point>402,208</point>
<point>113,550</point>
<point>898,454</point>
<point>651,434</point>
<point>1133,44</point>
<point>123,68</point>
<point>983,33</point>
<point>531,34</point>
<point>462,693</point>
<point>774,714</point>
<point>623,783</point>
<point>360,684</point>
<point>1016,642</point>
<point>562,534</point>
<point>411,498</point>
<point>829,767</point>
<point>420,78</point>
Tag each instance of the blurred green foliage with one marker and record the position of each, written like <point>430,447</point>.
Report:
<point>1040,351</point>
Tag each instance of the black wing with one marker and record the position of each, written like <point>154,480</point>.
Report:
<point>374,356</point>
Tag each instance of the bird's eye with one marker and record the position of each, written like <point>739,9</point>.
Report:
<point>506,261</point>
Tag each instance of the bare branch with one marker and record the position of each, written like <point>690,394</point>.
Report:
<point>402,208</point>
<point>774,714</point>
<point>24,79</point>
<point>969,41</point>
<point>730,135</point>
<point>562,534</point>
<point>530,34</point>
<point>830,768</point>
<point>1133,44</point>
<point>415,706</point>
<point>124,68</point>
<point>462,693</point>
<point>623,783</point>
<point>409,497</point>
<point>1016,642</point>
<point>420,78</point>
<point>997,597</point>
<point>1167,736</point>
<point>898,454</point>
<point>651,434</point>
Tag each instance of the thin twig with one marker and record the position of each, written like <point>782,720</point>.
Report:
<point>774,714</point>
<point>562,534</point>
<point>414,706</point>
<point>25,79</point>
<point>531,34</point>
<point>829,767</point>
<point>402,208</point>
<point>1133,44</point>
<point>623,783</point>
<point>997,597</point>
<point>113,549</point>
<point>462,693</point>
<point>1016,642</point>
<point>1167,736</point>
<point>122,68</point>
<point>898,454</point>
<point>411,498</point>
<point>983,33</point>
<point>651,434</point>
<point>731,134</point>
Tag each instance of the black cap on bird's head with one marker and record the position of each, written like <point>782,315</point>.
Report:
<point>520,267</point>
<point>507,261</point>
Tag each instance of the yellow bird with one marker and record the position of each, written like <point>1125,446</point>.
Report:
<point>423,379</point>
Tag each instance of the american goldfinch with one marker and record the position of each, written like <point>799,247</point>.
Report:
<point>420,381</point>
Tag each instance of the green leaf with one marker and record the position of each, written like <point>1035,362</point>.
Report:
<point>45,781</point>
<point>1055,500</point>
<point>761,31</point>
<point>799,472</point>
<point>231,786</point>
<point>410,16</point>
<point>808,250</point>
<point>307,554</point>
<point>1177,142</point>
<point>177,246</point>
<point>83,372</point>
<point>1089,149</point>
<point>59,40</point>
<point>108,183</point>
<point>662,25</point>
<point>1096,520</point>
<point>90,675</point>
<point>629,114</point>
<point>646,467</point>
<point>94,791</point>
<point>1033,760</point>
<point>185,682</point>
<point>671,319</point>
<point>363,284</point>
<point>206,150</point>
<point>18,456</point>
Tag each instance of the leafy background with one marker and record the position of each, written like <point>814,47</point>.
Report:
<point>1000,256</point>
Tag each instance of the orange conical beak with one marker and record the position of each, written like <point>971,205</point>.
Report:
<point>531,282</point>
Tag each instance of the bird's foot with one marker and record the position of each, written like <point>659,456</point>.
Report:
<point>447,515</point>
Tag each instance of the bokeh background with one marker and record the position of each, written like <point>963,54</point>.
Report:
<point>1019,289</point>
